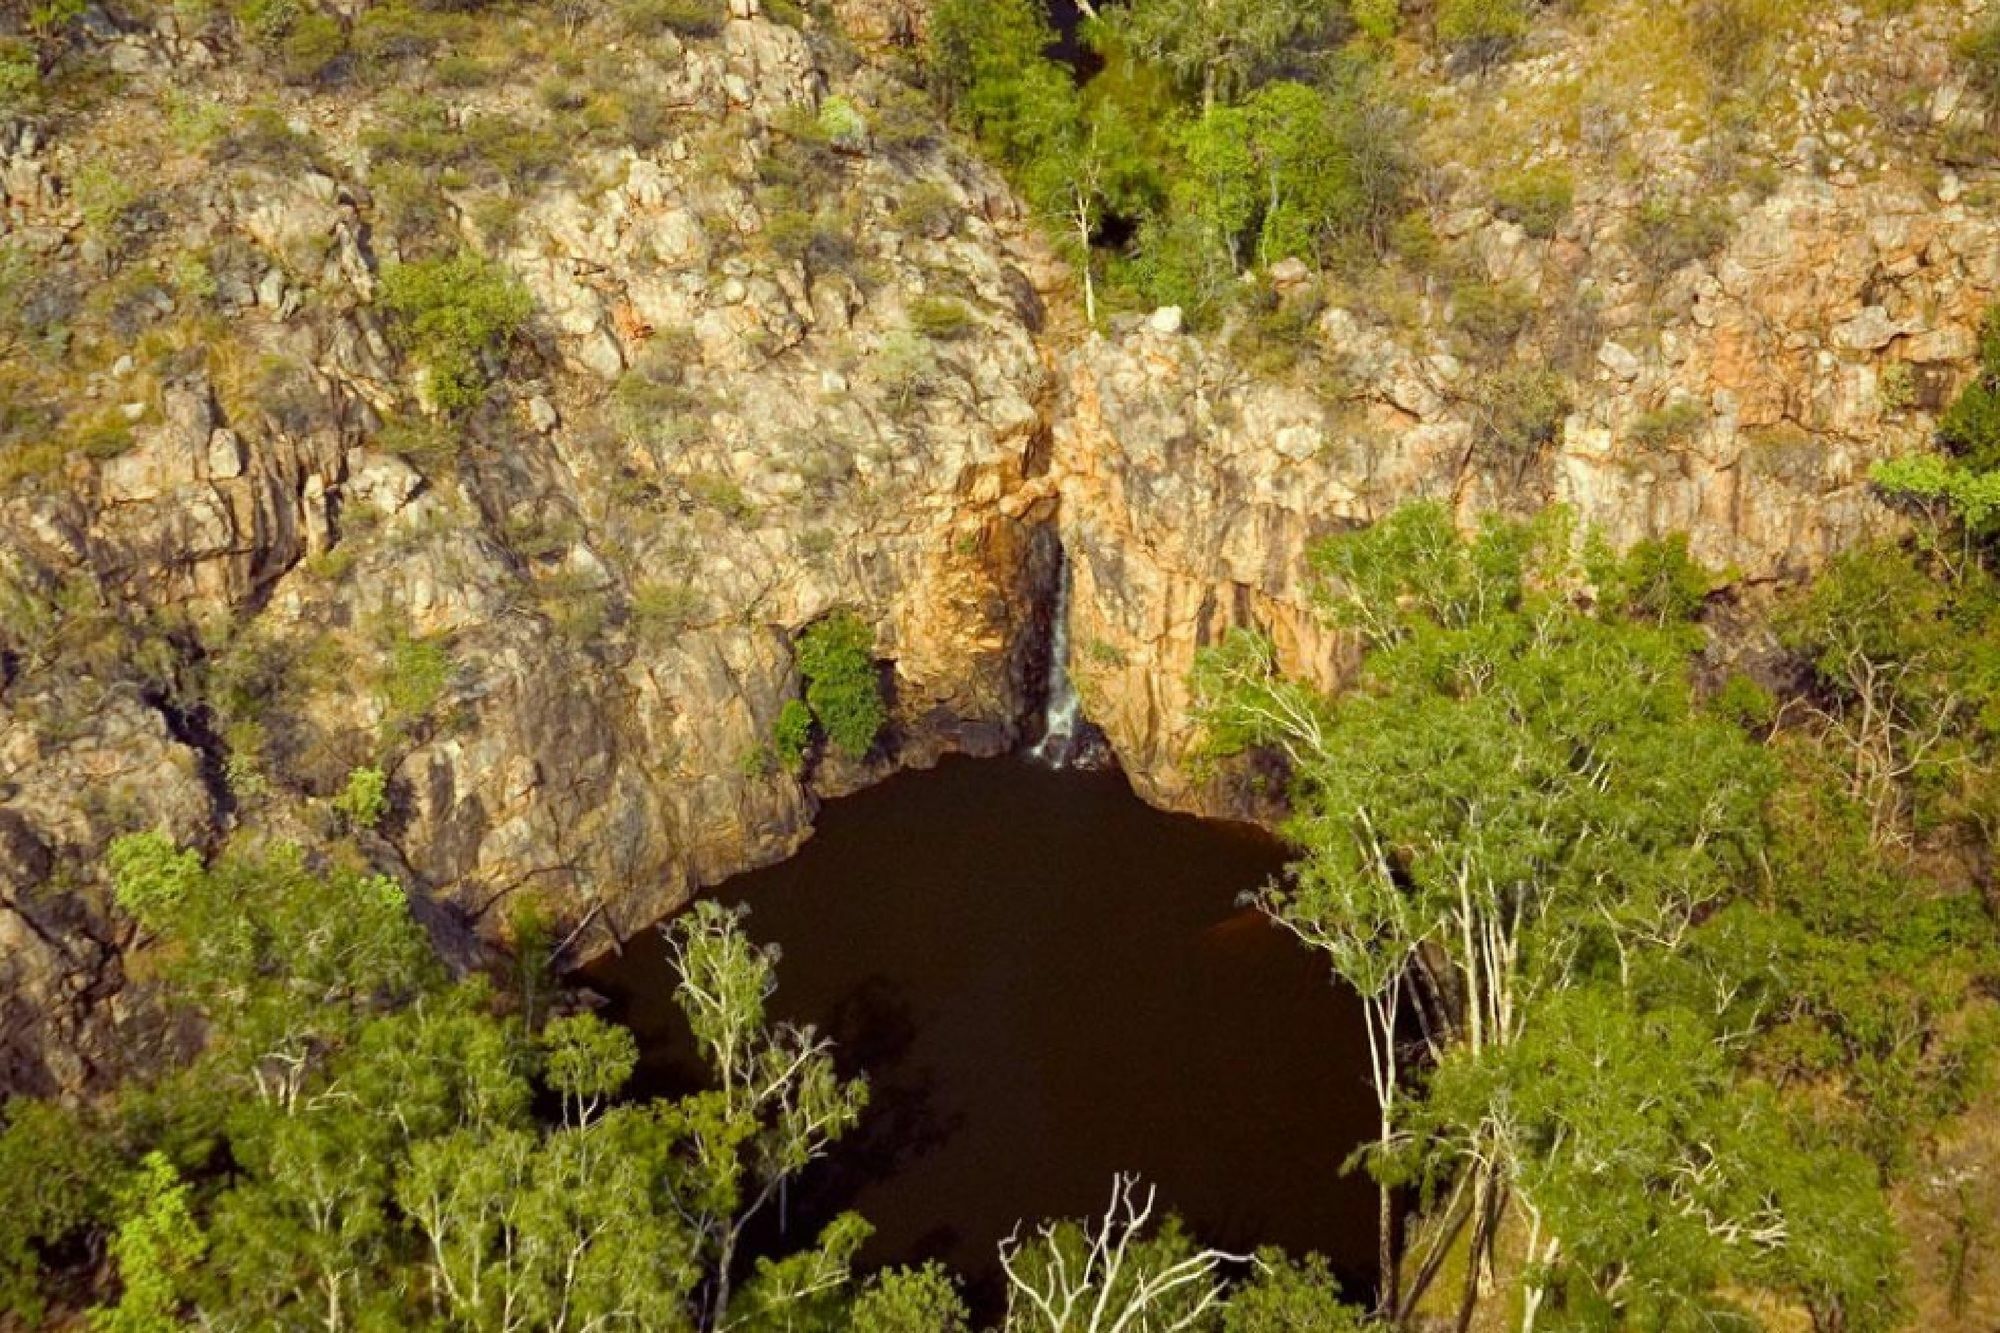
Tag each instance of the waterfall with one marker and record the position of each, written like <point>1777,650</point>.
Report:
<point>1062,711</point>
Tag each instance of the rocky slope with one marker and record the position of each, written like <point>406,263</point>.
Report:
<point>790,354</point>
<point>567,637</point>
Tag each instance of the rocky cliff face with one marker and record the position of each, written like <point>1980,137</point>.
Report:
<point>1821,339</point>
<point>789,356</point>
<point>563,626</point>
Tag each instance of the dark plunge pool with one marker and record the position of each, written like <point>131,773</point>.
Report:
<point>1047,981</point>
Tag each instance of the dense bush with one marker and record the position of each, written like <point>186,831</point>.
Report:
<point>455,313</point>
<point>836,659</point>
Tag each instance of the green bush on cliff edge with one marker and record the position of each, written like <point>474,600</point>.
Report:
<point>836,660</point>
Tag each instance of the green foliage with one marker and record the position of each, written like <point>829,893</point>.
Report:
<point>454,313</point>
<point>1970,426</point>
<point>791,735</point>
<point>836,659</point>
<point>1201,137</point>
<point>842,123</point>
<point>331,943</point>
<point>1537,200</point>
<point>1214,46</point>
<point>940,317</point>
<point>1675,424</point>
<point>412,679</point>
<point>1519,815</point>
<point>20,76</point>
<point>587,1061</point>
<point>910,1300</point>
<point>157,1243</point>
<point>683,18</point>
<point>364,800</point>
<point>1483,31</point>
<point>1518,410</point>
<point>1655,581</point>
<point>1669,233</point>
<point>1287,1295</point>
<point>1907,659</point>
<point>1492,314</point>
<point>384,1167</point>
<point>1979,52</point>
<point>54,1170</point>
<point>1968,497</point>
<point>1290,170</point>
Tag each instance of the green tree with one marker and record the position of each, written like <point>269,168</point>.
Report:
<point>1291,168</point>
<point>1217,46</point>
<point>1517,795</point>
<point>281,960</point>
<point>587,1061</point>
<point>776,1106</point>
<point>1121,1270</point>
<point>911,1300</point>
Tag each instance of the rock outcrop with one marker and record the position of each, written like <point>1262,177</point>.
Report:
<point>1823,338</point>
<point>563,626</point>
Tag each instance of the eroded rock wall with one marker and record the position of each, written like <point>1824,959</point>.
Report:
<point>1821,339</point>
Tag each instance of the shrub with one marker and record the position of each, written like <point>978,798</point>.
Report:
<point>1676,423</point>
<point>904,119</point>
<point>1657,580</point>
<point>1670,233</point>
<point>20,76</point>
<point>1483,31</point>
<point>1970,426</point>
<point>1275,331</point>
<point>660,608</point>
<point>365,798</point>
<point>907,370</point>
<point>1492,314</point>
<point>928,209</point>
<point>841,123</point>
<point>685,18</point>
<point>107,195</point>
<point>1746,703</point>
<point>835,657</point>
<point>454,312</point>
<point>1979,50</point>
<point>1519,409</point>
<point>412,680</point>
<point>1537,200</point>
<point>791,735</point>
<point>311,48</point>
<point>940,317</point>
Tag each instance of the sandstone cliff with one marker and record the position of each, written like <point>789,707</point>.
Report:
<point>790,354</point>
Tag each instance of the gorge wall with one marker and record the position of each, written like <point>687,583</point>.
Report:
<point>565,631</point>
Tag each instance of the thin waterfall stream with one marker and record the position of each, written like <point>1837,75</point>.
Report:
<point>1063,710</point>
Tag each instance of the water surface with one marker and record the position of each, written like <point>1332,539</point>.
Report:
<point>1047,981</point>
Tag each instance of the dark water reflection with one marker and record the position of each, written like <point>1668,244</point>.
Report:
<point>1046,981</point>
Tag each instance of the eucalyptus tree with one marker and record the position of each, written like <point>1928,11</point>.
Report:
<point>1218,45</point>
<point>776,1106</point>
<point>1516,796</point>
<point>1113,1273</point>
